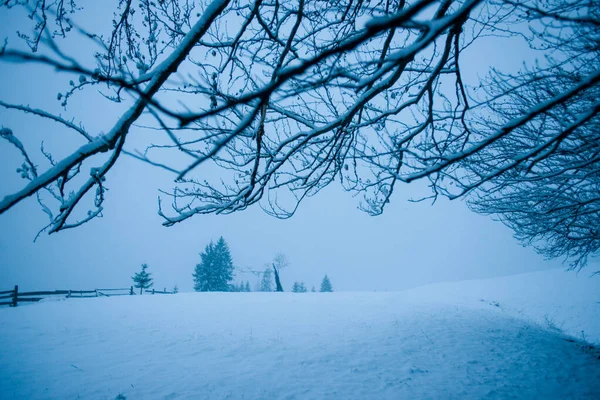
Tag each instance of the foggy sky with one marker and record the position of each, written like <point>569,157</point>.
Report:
<point>409,245</point>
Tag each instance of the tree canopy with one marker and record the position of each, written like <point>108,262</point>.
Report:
<point>266,282</point>
<point>142,279</point>
<point>215,271</point>
<point>326,285</point>
<point>299,287</point>
<point>284,98</point>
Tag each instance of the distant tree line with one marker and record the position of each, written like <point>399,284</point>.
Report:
<point>300,287</point>
<point>241,287</point>
<point>215,273</point>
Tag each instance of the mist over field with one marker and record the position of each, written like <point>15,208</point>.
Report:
<point>299,200</point>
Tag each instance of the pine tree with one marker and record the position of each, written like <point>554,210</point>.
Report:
<point>175,289</point>
<point>142,279</point>
<point>326,285</point>
<point>215,271</point>
<point>266,283</point>
<point>296,287</point>
<point>299,287</point>
<point>202,273</point>
<point>313,289</point>
<point>247,287</point>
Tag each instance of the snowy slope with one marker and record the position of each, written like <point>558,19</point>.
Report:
<point>438,341</point>
<point>559,300</point>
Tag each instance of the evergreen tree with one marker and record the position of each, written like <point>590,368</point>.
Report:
<point>326,285</point>
<point>247,287</point>
<point>202,273</point>
<point>313,289</point>
<point>215,271</point>
<point>142,279</point>
<point>299,287</point>
<point>175,289</point>
<point>266,283</point>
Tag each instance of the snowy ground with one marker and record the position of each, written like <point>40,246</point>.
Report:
<point>477,339</point>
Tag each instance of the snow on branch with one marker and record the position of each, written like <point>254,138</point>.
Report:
<point>269,102</point>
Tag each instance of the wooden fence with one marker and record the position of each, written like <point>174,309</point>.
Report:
<point>153,291</point>
<point>14,297</point>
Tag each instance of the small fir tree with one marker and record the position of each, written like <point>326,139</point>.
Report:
<point>266,283</point>
<point>299,287</point>
<point>313,289</point>
<point>175,289</point>
<point>326,285</point>
<point>247,287</point>
<point>142,279</point>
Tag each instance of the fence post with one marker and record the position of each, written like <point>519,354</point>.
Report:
<point>152,291</point>
<point>15,296</point>
<point>131,291</point>
<point>165,290</point>
<point>69,295</point>
<point>96,292</point>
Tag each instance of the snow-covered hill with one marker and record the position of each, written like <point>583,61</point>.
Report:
<point>558,300</point>
<point>477,339</point>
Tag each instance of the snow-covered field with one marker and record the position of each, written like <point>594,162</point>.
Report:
<point>477,339</point>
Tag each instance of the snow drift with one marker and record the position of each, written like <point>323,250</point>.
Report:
<point>476,339</point>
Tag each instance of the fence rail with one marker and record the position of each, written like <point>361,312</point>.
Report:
<point>153,291</point>
<point>45,293</point>
<point>17,297</point>
<point>31,299</point>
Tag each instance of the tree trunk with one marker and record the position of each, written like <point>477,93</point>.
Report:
<point>277,281</point>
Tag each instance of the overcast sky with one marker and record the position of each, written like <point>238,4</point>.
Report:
<point>409,245</point>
